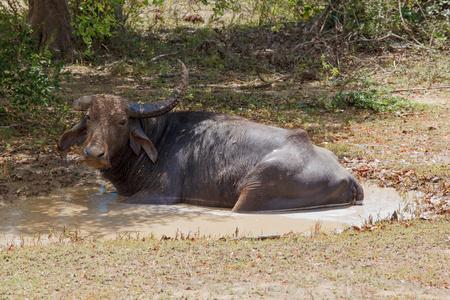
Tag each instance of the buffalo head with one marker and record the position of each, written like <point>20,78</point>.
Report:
<point>112,122</point>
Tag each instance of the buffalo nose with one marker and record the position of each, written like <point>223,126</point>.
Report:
<point>94,152</point>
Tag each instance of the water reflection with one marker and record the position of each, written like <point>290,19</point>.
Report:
<point>100,213</point>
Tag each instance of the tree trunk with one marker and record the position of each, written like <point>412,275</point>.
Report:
<point>50,21</point>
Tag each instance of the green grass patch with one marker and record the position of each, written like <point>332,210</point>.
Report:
<point>373,99</point>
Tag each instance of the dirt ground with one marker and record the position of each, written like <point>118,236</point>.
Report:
<point>36,174</point>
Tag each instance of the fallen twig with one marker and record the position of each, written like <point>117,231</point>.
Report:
<point>221,86</point>
<point>176,75</point>
<point>257,237</point>
<point>163,55</point>
<point>245,86</point>
<point>11,126</point>
<point>303,44</point>
<point>390,35</point>
<point>104,46</point>
<point>421,89</point>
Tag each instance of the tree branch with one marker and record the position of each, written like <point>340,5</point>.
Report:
<point>391,35</point>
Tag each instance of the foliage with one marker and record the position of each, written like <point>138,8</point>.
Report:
<point>274,11</point>
<point>418,21</point>
<point>95,20</point>
<point>221,6</point>
<point>300,34</point>
<point>373,99</point>
<point>328,68</point>
<point>290,36</point>
<point>27,76</point>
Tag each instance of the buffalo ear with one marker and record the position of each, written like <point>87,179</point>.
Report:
<point>76,135</point>
<point>138,138</point>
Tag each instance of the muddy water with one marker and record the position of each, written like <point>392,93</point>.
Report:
<point>98,213</point>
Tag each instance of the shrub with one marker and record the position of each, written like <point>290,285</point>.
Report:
<point>96,20</point>
<point>376,100</point>
<point>27,77</point>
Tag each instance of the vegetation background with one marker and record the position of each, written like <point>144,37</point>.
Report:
<point>354,74</point>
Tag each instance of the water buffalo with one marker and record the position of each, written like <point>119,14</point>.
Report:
<point>160,157</point>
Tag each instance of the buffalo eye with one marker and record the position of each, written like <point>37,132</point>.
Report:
<point>87,117</point>
<point>123,122</point>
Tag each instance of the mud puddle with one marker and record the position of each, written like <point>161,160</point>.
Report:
<point>95,213</point>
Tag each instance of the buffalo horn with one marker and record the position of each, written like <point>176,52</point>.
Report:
<point>83,103</point>
<point>154,109</point>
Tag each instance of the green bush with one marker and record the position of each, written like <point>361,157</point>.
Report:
<point>417,20</point>
<point>27,77</point>
<point>376,100</point>
<point>96,20</point>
